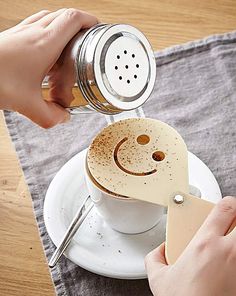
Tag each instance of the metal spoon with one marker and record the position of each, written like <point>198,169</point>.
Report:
<point>78,219</point>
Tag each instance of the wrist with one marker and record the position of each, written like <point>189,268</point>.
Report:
<point>5,81</point>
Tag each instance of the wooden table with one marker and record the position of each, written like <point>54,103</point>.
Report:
<point>165,22</point>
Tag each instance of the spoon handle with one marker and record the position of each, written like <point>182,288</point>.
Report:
<point>78,219</point>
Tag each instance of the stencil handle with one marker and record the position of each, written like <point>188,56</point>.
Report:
<point>183,221</point>
<point>186,214</point>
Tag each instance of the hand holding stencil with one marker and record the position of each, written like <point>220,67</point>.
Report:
<point>146,159</point>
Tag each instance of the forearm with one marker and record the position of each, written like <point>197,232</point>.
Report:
<point>6,81</point>
<point>3,82</point>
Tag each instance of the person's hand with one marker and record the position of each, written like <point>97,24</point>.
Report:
<point>207,267</point>
<point>28,52</point>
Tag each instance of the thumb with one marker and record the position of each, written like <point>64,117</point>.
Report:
<point>45,114</point>
<point>155,261</point>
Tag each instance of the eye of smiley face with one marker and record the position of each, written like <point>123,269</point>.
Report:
<point>141,140</point>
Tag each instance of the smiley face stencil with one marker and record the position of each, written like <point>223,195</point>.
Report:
<point>139,158</point>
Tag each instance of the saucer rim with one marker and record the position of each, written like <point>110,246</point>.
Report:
<point>92,268</point>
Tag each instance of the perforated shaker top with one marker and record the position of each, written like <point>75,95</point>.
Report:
<point>124,66</point>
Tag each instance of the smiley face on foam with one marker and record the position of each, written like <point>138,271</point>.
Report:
<point>142,140</point>
<point>139,158</point>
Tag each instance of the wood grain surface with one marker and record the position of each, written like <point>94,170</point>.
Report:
<point>165,22</point>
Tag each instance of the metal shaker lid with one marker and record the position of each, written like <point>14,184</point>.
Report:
<point>116,67</point>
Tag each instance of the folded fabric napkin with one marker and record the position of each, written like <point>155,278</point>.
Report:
<point>195,92</point>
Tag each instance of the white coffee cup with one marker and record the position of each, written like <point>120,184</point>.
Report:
<point>126,215</point>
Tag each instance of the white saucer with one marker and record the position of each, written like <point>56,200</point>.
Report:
<point>96,247</point>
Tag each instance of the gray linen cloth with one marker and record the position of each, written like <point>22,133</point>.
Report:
<point>195,92</point>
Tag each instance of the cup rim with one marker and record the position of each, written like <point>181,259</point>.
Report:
<point>104,190</point>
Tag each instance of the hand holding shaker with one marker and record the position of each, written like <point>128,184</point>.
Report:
<point>111,68</point>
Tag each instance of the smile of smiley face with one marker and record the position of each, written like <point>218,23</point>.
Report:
<point>142,140</point>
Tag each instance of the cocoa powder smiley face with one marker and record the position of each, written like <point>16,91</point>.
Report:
<point>134,156</point>
<point>141,140</point>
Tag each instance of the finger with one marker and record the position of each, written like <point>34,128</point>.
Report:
<point>232,230</point>
<point>61,94</point>
<point>47,19</point>
<point>68,23</point>
<point>29,20</point>
<point>35,17</point>
<point>156,260</point>
<point>220,218</point>
<point>45,114</point>
<point>62,78</point>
